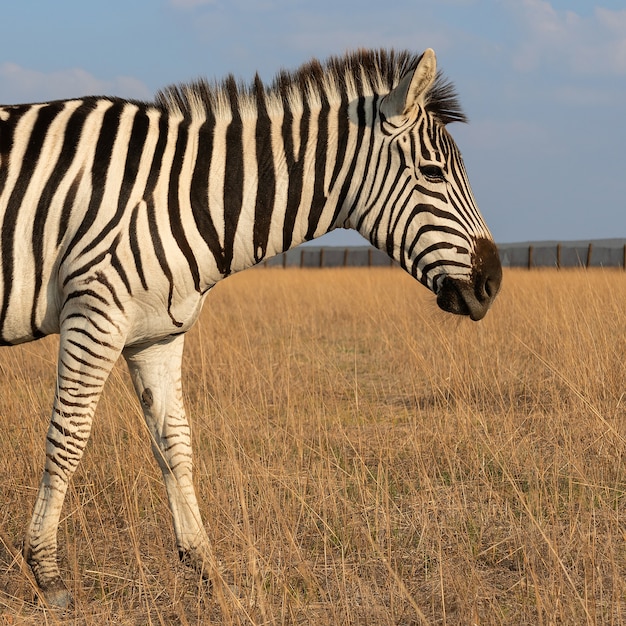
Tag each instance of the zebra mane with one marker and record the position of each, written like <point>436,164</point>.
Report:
<point>357,74</point>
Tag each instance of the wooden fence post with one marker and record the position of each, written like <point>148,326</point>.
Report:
<point>558,256</point>
<point>530,257</point>
<point>589,249</point>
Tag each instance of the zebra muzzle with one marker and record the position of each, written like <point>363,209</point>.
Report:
<point>474,296</point>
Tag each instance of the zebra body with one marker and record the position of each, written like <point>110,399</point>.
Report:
<point>118,217</point>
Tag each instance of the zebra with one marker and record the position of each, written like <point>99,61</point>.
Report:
<point>119,216</point>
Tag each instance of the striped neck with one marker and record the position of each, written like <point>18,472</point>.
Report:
<point>267,179</point>
<point>279,165</point>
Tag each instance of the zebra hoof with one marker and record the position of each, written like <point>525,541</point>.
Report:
<point>211,572</point>
<point>196,562</point>
<point>56,595</point>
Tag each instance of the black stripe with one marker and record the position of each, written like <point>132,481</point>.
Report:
<point>136,144</point>
<point>88,264</point>
<point>173,204</point>
<point>233,176</point>
<point>134,247</point>
<point>372,202</point>
<point>68,205</point>
<point>117,265</point>
<point>93,338</point>
<point>288,147</point>
<point>295,168</point>
<point>425,191</point>
<point>366,166</point>
<point>72,391</point>
<point>355,158</point>
<point>394,225</point>
<point>70,434</point>
<point>85,293</point>
<point>103,280</point>
<point>199,193</point>
<point>417,209</point>
<point>102,159</point>
<point>412,148</point>
<point>440,245</point>
<point>157,157</point>
<point>87,350</point>
<point>81,384</point>
<point>441,229</point>
<point>438,263</point>
<point>82,374</point>
<point>266,175</point>
<point>321,148</point>
<point>7,133</point>
<point>69,403</point>
<point>71,136</point>
<point>153,177</point>
<point>463,205</point>
<point>106,368</point>
<point>437,212</point>
<point>59,460</point>
<point>423,133</point>
<point>161,257</point>
<point>64,431</point>
<point>343,132</point>
<point>39,132</point>
<point>436,140</point>
<point>460,207</point>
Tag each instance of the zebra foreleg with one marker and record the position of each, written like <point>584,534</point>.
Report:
<point>85,360</point>
<point>156,373</point>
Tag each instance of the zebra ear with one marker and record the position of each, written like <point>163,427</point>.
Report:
<point>410,91</point>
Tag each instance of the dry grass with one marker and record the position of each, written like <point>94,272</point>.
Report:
<point>361,458</point>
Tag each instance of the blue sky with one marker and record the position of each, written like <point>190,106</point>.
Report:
<point>543,83</point>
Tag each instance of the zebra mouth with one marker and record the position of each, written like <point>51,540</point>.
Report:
<point>474,296</point>
<point>456,296</point>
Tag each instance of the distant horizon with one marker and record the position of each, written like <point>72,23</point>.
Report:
<point>348,238</point>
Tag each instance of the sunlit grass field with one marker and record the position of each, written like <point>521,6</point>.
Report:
<point>361,458</point>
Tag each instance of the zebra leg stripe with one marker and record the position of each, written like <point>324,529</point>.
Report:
<point>86,356</point>
<point>155,370</point>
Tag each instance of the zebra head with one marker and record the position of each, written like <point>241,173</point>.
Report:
<point>420,208</point>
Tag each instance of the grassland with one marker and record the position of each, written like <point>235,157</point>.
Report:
<point>361,458</point>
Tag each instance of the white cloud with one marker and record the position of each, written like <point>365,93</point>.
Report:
<point>613,20</point>
<point>595,44</point>
<point>20,84</point>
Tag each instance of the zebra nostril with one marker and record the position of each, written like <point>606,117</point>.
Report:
<point>489,288</point>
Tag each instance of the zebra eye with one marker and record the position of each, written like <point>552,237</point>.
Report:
<point>432,173</point>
